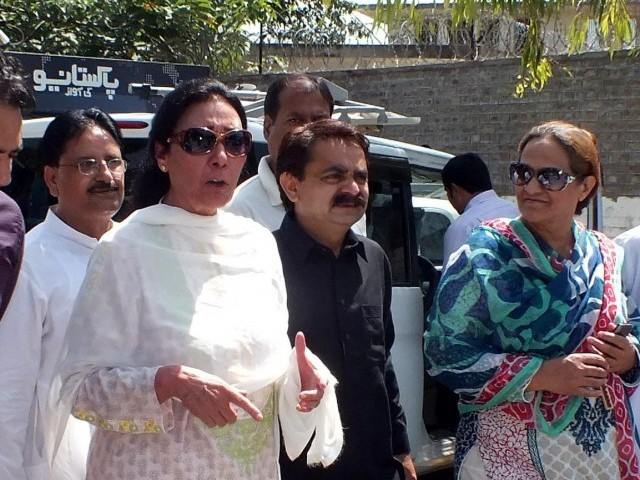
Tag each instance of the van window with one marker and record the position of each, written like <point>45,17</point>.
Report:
<point>430,230</point>
<point>27,187</point>
<point>389,219</point>
<point>136,155</point>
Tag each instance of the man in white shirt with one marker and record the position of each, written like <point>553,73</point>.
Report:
<point>292,101</point>
<point>630,242</point>
<point>84,170</point>
<point>467,182</point>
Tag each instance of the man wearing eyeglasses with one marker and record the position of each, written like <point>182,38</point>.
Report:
<point>467,182</point>
<point>14,97</point>
<point>84,170</point>
<point>292,101</point>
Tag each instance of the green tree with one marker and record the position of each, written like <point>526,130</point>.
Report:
<point>191,31</point>
<point>536,67</point>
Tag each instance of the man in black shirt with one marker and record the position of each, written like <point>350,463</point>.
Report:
<point>339,295</point>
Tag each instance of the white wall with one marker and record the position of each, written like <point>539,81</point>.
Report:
<point>619,215</point>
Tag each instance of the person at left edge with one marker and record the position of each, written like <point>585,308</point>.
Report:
<point>83,168</point>
<point>14,98</point>
<point>339,295</point>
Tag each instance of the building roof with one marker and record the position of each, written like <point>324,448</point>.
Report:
<point>374,3</point>
<point>378,34</point>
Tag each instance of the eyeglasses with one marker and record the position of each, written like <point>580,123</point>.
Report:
<point>91,166</point>
<point>201,140</point>
<point>551,178</point>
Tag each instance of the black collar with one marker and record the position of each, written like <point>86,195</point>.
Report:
<point>302,244</point>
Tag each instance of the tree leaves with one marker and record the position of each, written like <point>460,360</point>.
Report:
<point>612,18</point>
<point>190,31</point>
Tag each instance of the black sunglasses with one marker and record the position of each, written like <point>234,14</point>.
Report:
<point>201,140</point>
<point>551,178</point>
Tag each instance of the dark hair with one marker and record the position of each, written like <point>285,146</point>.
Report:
<point>467,171</point>
<point>70,125</point>
<point>581,146</point>
<point>296,146</point>
<point>152,184</point>
<point>13,87</point>
<point>313,84</point>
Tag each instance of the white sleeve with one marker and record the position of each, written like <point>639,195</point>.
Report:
<point>298,427</point>
<point>20,351</point>
<point>630,267</point>
<point>454,238</point>
<point>123,400</point>
<point>97,383</point>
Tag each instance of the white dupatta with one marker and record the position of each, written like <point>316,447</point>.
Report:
<point>170,287</point>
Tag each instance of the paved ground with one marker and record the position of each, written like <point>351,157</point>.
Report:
<point>441,475</point>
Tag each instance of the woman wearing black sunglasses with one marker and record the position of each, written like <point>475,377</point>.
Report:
<point>179,352</point>
<point>525,329</point>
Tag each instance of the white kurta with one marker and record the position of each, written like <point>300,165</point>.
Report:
<point>31,338</point>
<point>258,198</point>
<point>172,288</point>
<point>630,242</point>
<point>484,206</point>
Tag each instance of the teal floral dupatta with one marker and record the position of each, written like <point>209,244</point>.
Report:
<point>505,304</point>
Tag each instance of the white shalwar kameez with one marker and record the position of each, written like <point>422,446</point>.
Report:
<point>32,334</point>
<point>169,287</point>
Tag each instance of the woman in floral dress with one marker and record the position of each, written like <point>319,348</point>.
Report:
<point>523,329</point>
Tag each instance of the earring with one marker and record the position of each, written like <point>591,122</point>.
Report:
<point>163,168</point>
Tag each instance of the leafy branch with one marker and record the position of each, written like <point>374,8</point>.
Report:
<point>611,17</point>
<point>191,31</point>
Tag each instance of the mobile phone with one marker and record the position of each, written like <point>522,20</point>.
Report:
<point>623,329</point>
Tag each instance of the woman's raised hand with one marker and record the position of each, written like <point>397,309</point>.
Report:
<point>311,384</point>
<point>579,374</point>
<point>206,396</point>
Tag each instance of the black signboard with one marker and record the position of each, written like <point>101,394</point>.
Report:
<point>62,82</point>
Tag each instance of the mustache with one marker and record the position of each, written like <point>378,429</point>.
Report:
<point>103,187</point>
<point>348,199</point>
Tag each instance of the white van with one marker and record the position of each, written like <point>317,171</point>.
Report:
<point>392,220</point>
